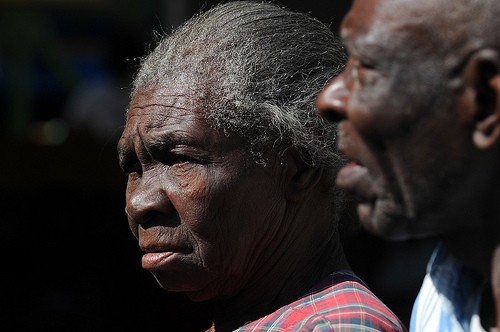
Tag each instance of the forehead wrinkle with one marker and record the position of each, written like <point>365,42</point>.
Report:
<point>168,120</point>
<point>155,111</point>
<point>174,92</point>
<point>359,18</point>
<point>366,45</point>
<point>409,23</point>
<point>160,104</point>
<point>158,107</point>
<point>360,31</point>
<point>156,120</point>
<point>390,28</point>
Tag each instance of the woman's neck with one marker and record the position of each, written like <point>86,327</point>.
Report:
<point>283,279</point>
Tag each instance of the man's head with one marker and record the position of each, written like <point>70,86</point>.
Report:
<point>222,147</point>
<point>418,108</point>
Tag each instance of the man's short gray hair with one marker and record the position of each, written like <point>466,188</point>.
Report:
<point>260,67</point>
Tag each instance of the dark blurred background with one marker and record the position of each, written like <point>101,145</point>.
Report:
<point>68,259</point>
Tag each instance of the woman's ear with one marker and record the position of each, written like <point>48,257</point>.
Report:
<point>482,76</point>
<point>300,177</point>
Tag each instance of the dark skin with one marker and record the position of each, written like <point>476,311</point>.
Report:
<point>423,140</point>
<point>214,224</point>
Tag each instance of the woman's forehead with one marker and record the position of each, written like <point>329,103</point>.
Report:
<point>172,98</point>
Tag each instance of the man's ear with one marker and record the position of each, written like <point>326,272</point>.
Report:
<point>487,131</point>
<point>482,74</point>
<point>300,177</point>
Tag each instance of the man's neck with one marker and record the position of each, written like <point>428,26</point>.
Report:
<point>472,214</point>
<point>474,248</point>
<point>474,245</point>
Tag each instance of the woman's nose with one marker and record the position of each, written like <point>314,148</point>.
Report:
<point>333,99</point>
<point>144,202</point>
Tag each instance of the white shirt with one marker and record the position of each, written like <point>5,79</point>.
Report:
<point>450,297</point>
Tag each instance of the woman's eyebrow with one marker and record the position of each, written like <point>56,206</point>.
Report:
<point>122,147</point>
<point>170,139</point>
<point>123,151</point>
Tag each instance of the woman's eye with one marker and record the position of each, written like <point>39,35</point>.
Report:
<point>176,158</point>
<point>132,166</point>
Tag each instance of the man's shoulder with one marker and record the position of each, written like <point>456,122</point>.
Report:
<point>449,297</point>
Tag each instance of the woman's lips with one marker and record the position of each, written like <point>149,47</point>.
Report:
<point>157,260</point>
<point>157,257</point>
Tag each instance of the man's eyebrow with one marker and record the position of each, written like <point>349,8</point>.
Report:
<point>348,41</point>
<point>364,48</point>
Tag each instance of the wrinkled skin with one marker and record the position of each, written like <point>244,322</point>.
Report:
<point>420,119</point>
<point>404,128</point>
<point>212,222</point>
<point>203,212</point>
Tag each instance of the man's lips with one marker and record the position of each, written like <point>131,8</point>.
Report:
<point>377,211</point>
<point>355,178</point>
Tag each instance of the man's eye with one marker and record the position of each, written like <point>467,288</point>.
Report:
<point>366,65</point>
<point>365,73</point>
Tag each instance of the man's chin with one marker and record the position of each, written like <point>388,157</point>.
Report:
<point>386,219</point>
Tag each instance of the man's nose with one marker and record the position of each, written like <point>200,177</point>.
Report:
<point>146,202</point>
<point>333,99</point>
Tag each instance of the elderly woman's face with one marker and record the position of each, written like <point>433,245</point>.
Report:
<point>203,212</point>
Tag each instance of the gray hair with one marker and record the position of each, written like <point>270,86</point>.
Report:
<point>261,67</point>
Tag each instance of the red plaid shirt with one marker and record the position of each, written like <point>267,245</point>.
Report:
<point>340,303</point>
